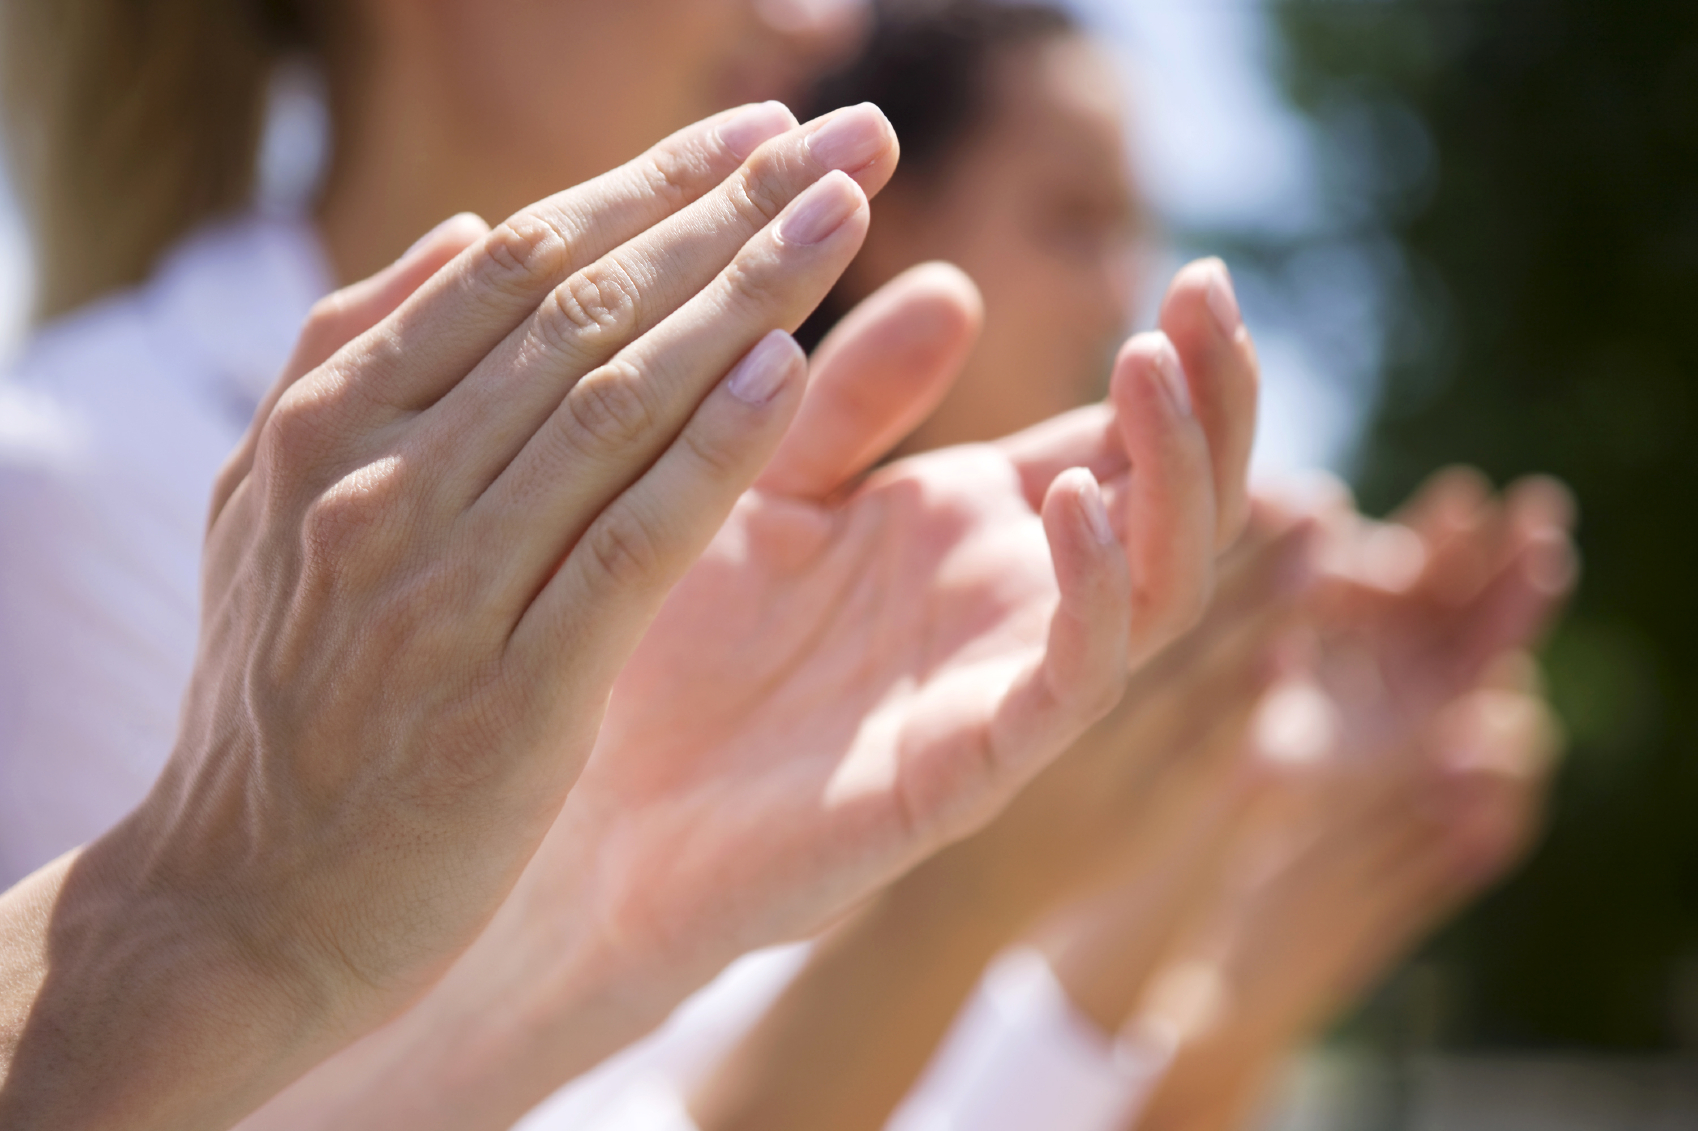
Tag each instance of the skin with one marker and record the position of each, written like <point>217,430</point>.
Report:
<point>1152,824</point>
<point>315,852</point>
<point>1437,723</point>
<point>1039,208</point>
<point>373,698</point>
<point>1307,941</point>
<point>632,878</point>
<point>1152,814</point>
<point>893,978</point>
<point>486,105</point>
<point>522,353</point>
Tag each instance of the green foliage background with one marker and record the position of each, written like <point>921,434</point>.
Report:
<point>1522,175</point>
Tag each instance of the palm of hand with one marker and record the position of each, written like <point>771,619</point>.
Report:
<point>857,658</point>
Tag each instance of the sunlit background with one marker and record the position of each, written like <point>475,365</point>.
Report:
<point>1463,230</point>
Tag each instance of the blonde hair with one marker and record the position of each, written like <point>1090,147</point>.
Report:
<point>129,123</point>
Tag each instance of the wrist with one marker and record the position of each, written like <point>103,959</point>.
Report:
<point>149,1008</point>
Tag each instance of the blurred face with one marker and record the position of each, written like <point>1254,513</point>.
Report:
<point>547,92</point>
<point>1041,211</point>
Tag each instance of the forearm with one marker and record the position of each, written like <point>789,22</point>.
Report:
<point>855,1030</point>
<point>539,999</point>
<point>127,1006</point>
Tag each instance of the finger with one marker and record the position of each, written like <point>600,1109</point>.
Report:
<point>1086,437</point>
<point>618,420</point>
<point>623,295</point>
<point>341,317</point>
<point>1541,502</point>
<point>1517,604</point>
<point>1461,525</point>
<point>1170,510</point>
<point>618,574</point>
<point>437,337</point>
<point>1238,646</point>
<point>1200,316</point>
<point>1448,492</point>
<point>1082,672</point>
<point>876,377</point>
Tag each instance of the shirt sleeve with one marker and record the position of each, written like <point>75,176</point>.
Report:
<point>1021,1057</point>
<point>650,1104</point>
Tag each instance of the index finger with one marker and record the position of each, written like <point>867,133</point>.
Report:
<point>442,332</point>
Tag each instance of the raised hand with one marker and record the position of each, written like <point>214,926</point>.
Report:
<point>854,674</point>
<point>423,575</point>
<point>1418,610</point>
<point>851,1034</point>
<point>1403,850</point>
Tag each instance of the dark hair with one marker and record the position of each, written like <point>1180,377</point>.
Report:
<point>928,65</point>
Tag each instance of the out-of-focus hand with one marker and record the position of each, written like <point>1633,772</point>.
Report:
<point>1406,847</point>
<point>1417,610</point>
<point>423,575</point>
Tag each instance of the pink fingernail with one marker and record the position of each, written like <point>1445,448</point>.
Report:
<point>457,218</point>
<point>852,140</point>
<point>765,369</point>
<point>1095,510</point>
<point>821,210</point>
<point>1172,376</point>
<point>753,126</point>
<point>1223,303</point>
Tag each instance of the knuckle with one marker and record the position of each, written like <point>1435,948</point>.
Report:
<point>758,193</point>
<point>600,301</point>
<point>345,520</point>
<point>668,177</point>
<point>749,287</point>
<point>524,252</point>
<point>294,437</point>
<point>610,409</point>
<point>622,548</point>
<point>325,319</point>
<point>713,450</point>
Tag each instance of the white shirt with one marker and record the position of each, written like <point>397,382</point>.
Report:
<point>113,423</point>
<point>1020,1057</point>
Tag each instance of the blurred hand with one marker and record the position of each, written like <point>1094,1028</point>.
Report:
<point>1404,851</point>
<point>1416,611</point>
<point>424,572</point>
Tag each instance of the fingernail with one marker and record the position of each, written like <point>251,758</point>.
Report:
<point>1172,377</point>
<point>1094,509</point>
<point>821,210</point>
<point>851,140</point>
<point>457,218</point>
<point>1223,303</point>
<point>752,126</point>
<point>764,369</point>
